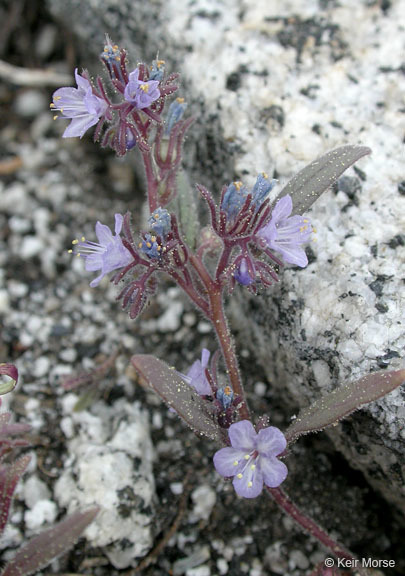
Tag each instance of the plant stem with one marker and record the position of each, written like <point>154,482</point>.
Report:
<point>311,526</point>
<point>151,182</point>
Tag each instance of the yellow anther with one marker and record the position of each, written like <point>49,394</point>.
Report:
<point>144,87</point>
<point>78,254</point>
<point>75,241</point>
<point>153,238</point>
<point>57,97</point>
<point>70,251</point>
<point>239,475</point>
<point>159,63</point>
<point>159,248</point>
<point>55,117</point>
<point>253,466</point>
<point>105,48</point>
<point>238,185</point>
<point>265,175</point>
<point>140,245</point>
<point>115,47</point>
<point>148,244</point>
<point>250,484</point>
<point>313,230</point>
<point>180,100</point>
<point>156,216</point>
<point>61,109</point>
<point>305,220</point>
<point>51,105</point>
<point>83,239</point>
<point>227,390</point>
<point>246,456</point>
<point>236,463</point>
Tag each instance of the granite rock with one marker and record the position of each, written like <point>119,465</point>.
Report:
<point>274,85</point>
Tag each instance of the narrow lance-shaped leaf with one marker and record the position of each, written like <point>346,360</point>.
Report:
<point>177,394</point>
<point>10,474</point>
<point>8,378</point>
<point>306,186</point>
<point>342,401</point>
<point>50,544</point>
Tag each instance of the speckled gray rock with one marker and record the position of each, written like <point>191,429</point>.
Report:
<point>110,465</point>
<point>275,84</point>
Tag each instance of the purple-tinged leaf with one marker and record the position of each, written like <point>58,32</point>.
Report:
<point>42,549</point>
<point>342,401</point>
<point>177,394</point>
<point>8,378</point>
<point>10,474</point>
<point>306,186</point>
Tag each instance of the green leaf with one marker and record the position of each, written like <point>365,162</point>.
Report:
<point>342,401</point>
<point>177,394</point>
<point>306,186</point>
<point>42,549</point>
<point>187,209</point>
<point>8,378</point>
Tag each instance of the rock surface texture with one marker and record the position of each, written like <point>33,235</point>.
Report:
<point>274,85</point>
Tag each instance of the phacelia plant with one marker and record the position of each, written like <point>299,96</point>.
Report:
<point>247,242</point>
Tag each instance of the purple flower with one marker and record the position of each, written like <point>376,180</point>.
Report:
<point>252,458</point>
<point>108,254</point>
<point>285,234</point>
<point>196,375</point>
<point>150,246</point>
<point>175,114</point>
<point>80,104</point>
<point>140,93</point>
<point>245,272</point>
<point>225,396</point>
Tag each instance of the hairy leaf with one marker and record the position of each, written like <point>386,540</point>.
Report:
<point>10,474</point>
<point>8,378</point>
<point>187,209</point>
<point>177,394</point>
<point>50,544</point>
<point>306,186</point>
<point>342,401</point>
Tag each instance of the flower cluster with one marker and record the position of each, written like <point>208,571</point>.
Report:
<point>248,225</point>
<point>141,99</point>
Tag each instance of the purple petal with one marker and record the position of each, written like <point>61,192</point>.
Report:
<point>243,436</point>
<point>104,234</point>
<point>229,461</point>
<point>282,209</point>
<point>250,484</point>
<point>292,254</point>
<point>96,281</point>
<point>271,441</point>
<point>81,82</point>
<point>119,219</point>
<point>205,356</point>
<point>94,262</point>
<point>79,125</point>
<point>274,472</point>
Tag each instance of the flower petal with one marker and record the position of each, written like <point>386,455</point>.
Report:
<point>119,218</point>
<point>79,125</point>
<point>205,356</point>
<point>224,461</point>
<point>104,234</point>
<point>249,484</point>
<point>274,472</point>
<point>243,436</point>
<point>271,441</point>
<point>282,209</point>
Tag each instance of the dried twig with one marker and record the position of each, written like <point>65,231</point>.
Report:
<point>32,77</point>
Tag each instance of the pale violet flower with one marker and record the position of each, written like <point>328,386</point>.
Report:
<point>285,234</point>
<point>245,272</point>
<point>252,458</point>
<point>196,375</point>
<point>80,105</point>
<point>107,254</point>
<point>141,94</point>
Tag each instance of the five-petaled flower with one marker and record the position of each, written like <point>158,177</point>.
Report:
<point>251,459</point>
<point>108,254</point>
<point>80,104</point>
<point>285,233</point>
<point>141,94</point>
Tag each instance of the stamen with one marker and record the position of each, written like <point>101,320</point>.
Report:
<point>238,185</point>
<point>76,241</point>
<point>250,484</point>
<point>180,100</point>
<point>236,463</point>
<point>144,87</point>
<point>83,239</point>
<point>70,251</point>
<point>239,475</point>
<point>265,175</point>
<point>55,117</point>
<point>247,456</point>
<point>253,466</point>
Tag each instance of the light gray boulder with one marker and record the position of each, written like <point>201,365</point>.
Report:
<point>273,86</point>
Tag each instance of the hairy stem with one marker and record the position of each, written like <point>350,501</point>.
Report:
<point>151,182</point>
<point>309,525</point>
